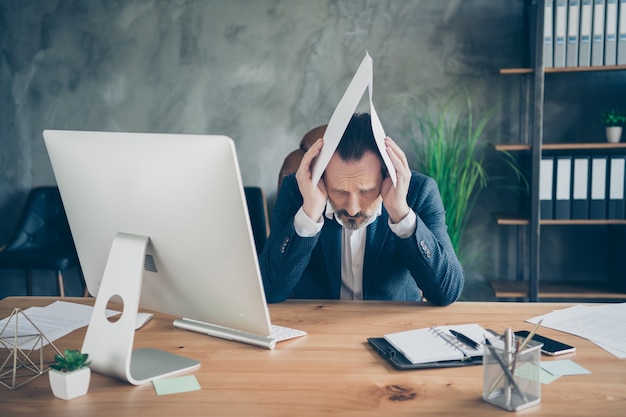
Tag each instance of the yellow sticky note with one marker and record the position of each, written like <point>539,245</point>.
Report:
<point>531,372</point>
<point>176,385</point>
<point>564,367</point>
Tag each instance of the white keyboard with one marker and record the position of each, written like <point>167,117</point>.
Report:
<point>280,333</point>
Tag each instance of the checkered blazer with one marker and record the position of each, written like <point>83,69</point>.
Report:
<point>423,265</point>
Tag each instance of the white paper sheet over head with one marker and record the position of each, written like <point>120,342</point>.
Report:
<point>363,79</point>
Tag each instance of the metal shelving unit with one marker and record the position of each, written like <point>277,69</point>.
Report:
<point>531,141</point>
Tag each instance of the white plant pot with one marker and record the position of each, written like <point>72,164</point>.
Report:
<point>613,134</point>
<point>68,385</point>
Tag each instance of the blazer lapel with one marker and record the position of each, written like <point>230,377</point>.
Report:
<point>331,238</point>
<point>376,232</point>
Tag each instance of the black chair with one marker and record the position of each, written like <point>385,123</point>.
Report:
<point>257,210</point>
<point>43,240</point>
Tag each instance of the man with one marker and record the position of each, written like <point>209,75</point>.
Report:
<point>355,235</point>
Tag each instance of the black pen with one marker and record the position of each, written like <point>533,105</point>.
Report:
<point>465,339</point>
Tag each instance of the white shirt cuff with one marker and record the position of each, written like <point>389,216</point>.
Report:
<point>405,227</point>
<point>306,226</point>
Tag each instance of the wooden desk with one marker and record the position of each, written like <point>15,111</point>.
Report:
<point>332,371</point>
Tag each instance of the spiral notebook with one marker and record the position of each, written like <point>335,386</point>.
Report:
<point>432,347</point>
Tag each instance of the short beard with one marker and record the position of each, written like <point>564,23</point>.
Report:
<point>350,222</point>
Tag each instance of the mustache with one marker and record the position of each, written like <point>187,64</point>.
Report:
<point>344,213</point>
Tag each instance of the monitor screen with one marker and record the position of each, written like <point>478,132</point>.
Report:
<point>183,194</point>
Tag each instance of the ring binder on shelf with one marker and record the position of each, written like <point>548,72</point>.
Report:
<point>621,34</point>
<point>615,209</point>
<point>610,38</point>
<point>597,41</point>
<point>546,169</point>
<point>548,44</point>
<point>562,202</point>
<point>597,202</point>
<point>580,189</point>
<point>573,18</point>
<point>560,33</point>
<point>584,41</point>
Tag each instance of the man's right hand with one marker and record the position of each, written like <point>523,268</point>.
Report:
<point>314,198</point>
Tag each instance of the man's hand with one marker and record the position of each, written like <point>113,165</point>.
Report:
<point>314,198</point>
<point>394,198</point>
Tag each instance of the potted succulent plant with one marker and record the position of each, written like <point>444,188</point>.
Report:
<point>70,374</point>
<point>613,120</point>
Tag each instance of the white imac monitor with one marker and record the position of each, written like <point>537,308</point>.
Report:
<point>160,222</point>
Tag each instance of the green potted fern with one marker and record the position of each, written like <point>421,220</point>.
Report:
<point>449,153</point>
<point>448,149</point>
<point>70,374</point>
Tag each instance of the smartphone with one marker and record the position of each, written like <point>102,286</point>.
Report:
<point>550,346</point>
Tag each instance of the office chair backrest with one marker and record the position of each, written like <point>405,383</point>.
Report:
<point>257,209</point>
<point>292,161</point>
<point>43,223</point>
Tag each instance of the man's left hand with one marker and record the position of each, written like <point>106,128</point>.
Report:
<point>394,198</point>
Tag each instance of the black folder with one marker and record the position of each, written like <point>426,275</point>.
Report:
<point>399,361</point>
<point>563,188</point>
<point>580,188</point>
<point>615,209</point>
<point>597,201</point>
<point>546,182</point>
<point>616,205</point>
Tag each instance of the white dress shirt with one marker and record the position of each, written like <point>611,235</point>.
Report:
<point>352,245</point>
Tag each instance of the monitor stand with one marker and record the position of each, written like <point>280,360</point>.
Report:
<point>110,344</point>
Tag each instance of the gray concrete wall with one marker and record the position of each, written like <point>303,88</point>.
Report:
<point>263,72</point>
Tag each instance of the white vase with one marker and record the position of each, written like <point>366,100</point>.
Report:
<point>613,134</point>
<point>68,385</point>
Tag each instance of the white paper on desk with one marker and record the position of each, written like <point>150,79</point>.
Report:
<point>54,321</point>
<point>613,339</point>
<point>363,79</point>
<point>603,325</point>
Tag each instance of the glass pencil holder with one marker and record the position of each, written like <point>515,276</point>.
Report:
<point>511,380</point>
